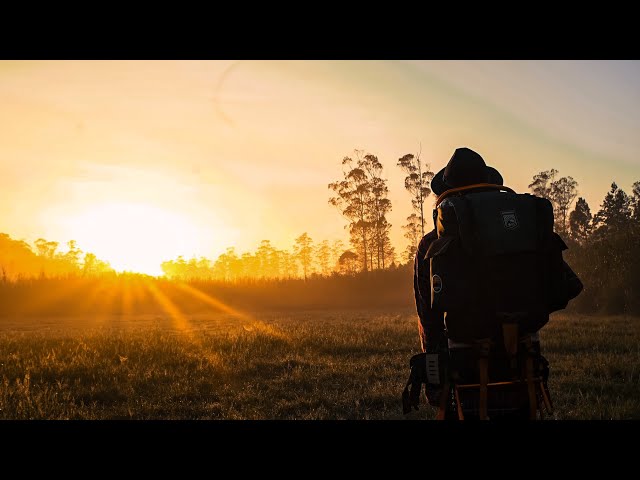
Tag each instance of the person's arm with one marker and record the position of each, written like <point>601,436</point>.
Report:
<point>431,323</point>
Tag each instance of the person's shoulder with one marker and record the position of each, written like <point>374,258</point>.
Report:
<point>427,240</point>
<point>430,237</point>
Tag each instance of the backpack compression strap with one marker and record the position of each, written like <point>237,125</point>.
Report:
<point>451,191</point>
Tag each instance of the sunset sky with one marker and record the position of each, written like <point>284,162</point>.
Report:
<point>141,161</point>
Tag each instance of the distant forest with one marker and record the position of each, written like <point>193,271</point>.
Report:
<point>604,249</point>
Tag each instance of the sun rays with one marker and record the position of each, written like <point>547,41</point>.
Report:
<point>179,320</point>
<point>249,323</point>
<point>195,335</point>
<point>134,302</point>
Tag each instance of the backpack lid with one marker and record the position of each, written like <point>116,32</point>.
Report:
<point>451,191</point>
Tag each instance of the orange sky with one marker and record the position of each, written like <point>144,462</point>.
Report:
<point>162,158</point>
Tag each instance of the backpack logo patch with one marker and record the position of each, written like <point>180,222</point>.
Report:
<point>436,284</point>
<point>510,220</point>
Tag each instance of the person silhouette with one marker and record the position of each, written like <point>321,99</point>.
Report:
<point>465,173</point>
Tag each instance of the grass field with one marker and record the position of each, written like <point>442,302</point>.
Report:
<point>346,364</point>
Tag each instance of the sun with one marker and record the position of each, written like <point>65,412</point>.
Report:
<point>135,237</point>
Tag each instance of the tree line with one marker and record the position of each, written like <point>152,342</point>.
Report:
<point>20,260</point>
<point>604,250</point>
<point>303,260</point>
<point>604,246</point>
<point>362,198</point>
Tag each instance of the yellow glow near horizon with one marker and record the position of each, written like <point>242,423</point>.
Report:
<point>134,237</point>
<point>243,151</point>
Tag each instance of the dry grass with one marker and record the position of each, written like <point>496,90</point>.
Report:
<point>595,366</point>
<point>305,365</point>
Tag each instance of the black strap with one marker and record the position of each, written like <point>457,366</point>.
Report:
<point>417,376</point>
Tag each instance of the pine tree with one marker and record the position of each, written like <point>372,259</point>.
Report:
<point>615,213</point>
<point>580,221</point>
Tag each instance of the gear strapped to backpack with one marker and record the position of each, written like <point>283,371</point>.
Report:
<point>496,272</point>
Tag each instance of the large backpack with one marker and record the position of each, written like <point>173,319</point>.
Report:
<point>496,260</point>
<point>496,272</point>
